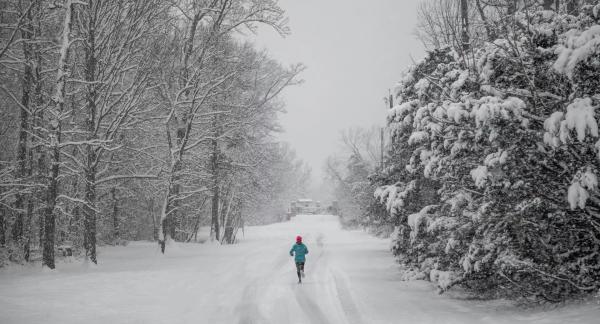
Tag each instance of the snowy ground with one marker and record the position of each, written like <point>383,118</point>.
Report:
<point>351,278</point>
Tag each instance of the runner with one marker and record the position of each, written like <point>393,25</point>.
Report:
<point>299,252</point>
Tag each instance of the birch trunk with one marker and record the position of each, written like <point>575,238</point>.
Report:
<point>56,109</point>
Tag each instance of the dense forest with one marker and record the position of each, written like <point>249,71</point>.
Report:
<point>489,178</point>
<point>138,119</point>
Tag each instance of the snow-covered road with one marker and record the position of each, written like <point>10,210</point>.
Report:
<point>351,278</point>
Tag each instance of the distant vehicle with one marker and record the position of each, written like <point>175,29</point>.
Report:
<point>305,206</point>
<point>334,208</point>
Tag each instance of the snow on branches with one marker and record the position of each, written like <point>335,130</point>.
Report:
<point>506,144</point>
<point>491,108</point>
<point>583,182</point>
<point>580,117</point>
<point>394,196</point>
<point>578,47</point>
<point>417,219</point>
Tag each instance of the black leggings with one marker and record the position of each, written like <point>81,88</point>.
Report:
<point>299,267</point>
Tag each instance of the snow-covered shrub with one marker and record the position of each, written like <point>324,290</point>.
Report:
<point>508,149</point>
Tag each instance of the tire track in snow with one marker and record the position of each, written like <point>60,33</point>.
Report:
<point>248,307</point>
<point>249,311</point>
<point>345,298</point>
<point>310,308</point>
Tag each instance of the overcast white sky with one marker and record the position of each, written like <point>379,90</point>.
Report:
<point>354,51</point>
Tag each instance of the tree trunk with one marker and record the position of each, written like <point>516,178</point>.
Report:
<point>89,207</point>
<point>189,46</point>
<point>237,222</point>
<point>28,229</point>
<point>40,156</point>
<point>115,215</point>
<point>573,7</point>
<point>228,220</point>
<point>196,226</point>
<point>215,182</point>
<point>488,28</point>
<point>215,208</point>
<point>162,233</point>
<point>151,213</point>
<point>2,226</point>
<point>175,215</point>
<point>168,219</point>
<point>231,227</point>
<point>223,194</point>
<point>52,193</point>
<point>512,7</point>
<point>166,224</point>
<point>37,157</point>
<point>23,140</point>
<point>89,211</point>
<point>58,103</point>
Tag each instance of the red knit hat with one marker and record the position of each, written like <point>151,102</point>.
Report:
<point>298,239</point>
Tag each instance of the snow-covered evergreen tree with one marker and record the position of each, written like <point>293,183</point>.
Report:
<point>500,146</point>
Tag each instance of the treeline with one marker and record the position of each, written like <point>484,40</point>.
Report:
<point>490,177</point>
<point>138,119</point>
<point>349,170</point>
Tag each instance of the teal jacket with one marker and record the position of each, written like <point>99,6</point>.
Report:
<point>299,251</point>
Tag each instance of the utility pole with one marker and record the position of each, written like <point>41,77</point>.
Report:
<point>381,149</point>
<point>390,105</point>
<point>464,19</point>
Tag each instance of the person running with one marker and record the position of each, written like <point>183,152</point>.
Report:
<point>299,252</point>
